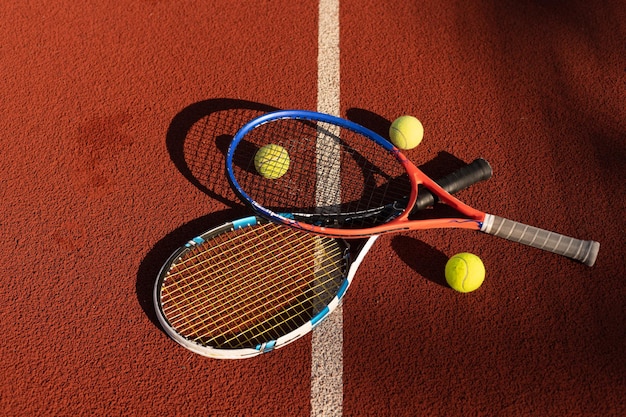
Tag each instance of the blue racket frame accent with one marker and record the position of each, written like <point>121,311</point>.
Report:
<point>299,115</point>
<point>266,347</point>
<point>195,241</point>
<point>245,222</point>
<point>320,316</point>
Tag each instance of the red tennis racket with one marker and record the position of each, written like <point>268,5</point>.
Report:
<point>343,180</point>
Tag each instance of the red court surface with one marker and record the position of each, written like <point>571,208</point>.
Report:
<point>115,119</point>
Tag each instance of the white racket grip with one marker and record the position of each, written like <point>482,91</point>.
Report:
<point>584,251</point>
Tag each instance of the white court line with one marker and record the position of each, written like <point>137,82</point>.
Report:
<point>327,338</point>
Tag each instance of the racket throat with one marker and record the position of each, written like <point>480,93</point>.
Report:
<point>487,224</point>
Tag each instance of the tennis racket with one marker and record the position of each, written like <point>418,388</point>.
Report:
<point>251,286</point>
<point>339,170</point>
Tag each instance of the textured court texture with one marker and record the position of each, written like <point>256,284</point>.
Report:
<point>116,116</point>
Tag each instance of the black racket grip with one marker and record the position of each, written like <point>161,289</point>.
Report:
<point>477,171</point>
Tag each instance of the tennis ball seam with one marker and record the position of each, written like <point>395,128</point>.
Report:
<point>272,161</point>
<point>406,132</point>
<point>404,139</point>
<point>466,273</point>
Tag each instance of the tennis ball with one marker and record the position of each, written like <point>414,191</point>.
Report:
<point>465,272</point>
<point>271,161</point>
<point>406,132</point>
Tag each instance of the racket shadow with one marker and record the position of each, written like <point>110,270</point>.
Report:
<point>151,264</point>
<point>422,258</point>
<point>198,137</point>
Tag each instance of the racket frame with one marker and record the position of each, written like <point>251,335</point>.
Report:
<point>584,251</point>
<point>351,266</point>
<point>473,221</point>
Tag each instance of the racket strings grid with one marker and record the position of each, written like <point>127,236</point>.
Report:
<point>242,289</point>
<point>203,146</point>
<point>332,170</point>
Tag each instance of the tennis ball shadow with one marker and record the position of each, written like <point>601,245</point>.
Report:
<point>443,163</point>
<point>422,258</point>
<point>370,120</point>
<point>161,250</point>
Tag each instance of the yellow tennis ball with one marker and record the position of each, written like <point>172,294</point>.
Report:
<point>406,132</point>
<point>272,161</point>
<point>465,272</point>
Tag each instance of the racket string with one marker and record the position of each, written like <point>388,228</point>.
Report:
<point>332,170</point>
<point>203,272</point>
<point>226,309</point>
<point>193,267</point>
<point>250,317</point>
<point>288,297</point>
<point>238,309</point>
<point>239,297</point>
<point>313,304</point>
<point>214,252</point>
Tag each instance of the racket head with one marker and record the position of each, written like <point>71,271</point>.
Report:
<point>250,286</point>
<point>340,176</point>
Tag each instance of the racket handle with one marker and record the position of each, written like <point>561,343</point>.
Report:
<point>463,178</point>
<point>584,251</point>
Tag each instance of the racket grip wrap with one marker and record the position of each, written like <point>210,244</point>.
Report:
<point>584,251</point>
<point>479,170</point>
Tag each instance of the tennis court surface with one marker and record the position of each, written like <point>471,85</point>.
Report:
<point>116,116</point>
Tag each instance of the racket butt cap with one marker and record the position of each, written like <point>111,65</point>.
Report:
<point>592,254</point>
